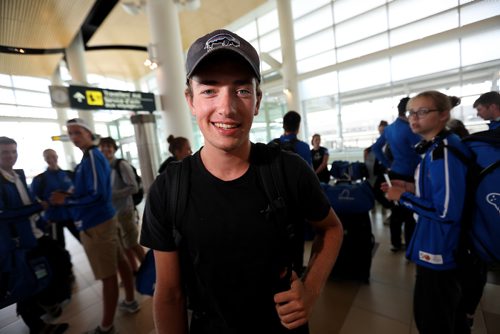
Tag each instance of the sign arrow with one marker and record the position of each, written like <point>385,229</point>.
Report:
<point>79,97</point>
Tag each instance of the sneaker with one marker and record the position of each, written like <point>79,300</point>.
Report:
<point>395,249</point>
<point>131,307</point>
<point>98,330</point>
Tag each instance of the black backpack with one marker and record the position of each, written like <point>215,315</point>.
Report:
<point>139,195</point>
<point>284,145</point>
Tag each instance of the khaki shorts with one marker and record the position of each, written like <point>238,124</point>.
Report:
<point>102,248</point>
<point>128,230</point>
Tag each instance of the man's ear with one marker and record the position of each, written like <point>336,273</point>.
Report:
<point>189,99</point>
<point>257,105</point>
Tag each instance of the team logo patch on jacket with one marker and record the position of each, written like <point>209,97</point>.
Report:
<point>431,258</point>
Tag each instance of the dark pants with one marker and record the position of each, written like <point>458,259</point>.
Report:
<point>436,302</point>
<point>379,194</point>
<point>58,234</point>
<point>401,215</point>
<point>473,275</point>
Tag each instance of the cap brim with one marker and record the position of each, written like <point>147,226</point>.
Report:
<point>223,49</point>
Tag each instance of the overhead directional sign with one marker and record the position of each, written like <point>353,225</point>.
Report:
<point>90,98</point>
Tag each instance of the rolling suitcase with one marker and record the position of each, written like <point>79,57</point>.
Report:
<point>352,203</point>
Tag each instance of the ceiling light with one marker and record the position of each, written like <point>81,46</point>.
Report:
<point>132,8</point>
<point>191,5</point>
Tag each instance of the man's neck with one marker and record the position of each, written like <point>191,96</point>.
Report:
<point>224,165</point>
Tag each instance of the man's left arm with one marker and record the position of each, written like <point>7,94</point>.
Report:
<point>295,306</point>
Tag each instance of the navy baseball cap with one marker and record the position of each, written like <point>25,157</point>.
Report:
<point>218,41</point>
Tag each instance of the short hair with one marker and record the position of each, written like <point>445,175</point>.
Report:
<point>314,136</point>
<point>108,141</point>
<point>487,99</point>
<point>175,143</point>
<point>49,150</point>
<point>291,121</point>
<point>7,141</point>
<point>402,105</point>
<point>383,123</point>
<point>457,126</point>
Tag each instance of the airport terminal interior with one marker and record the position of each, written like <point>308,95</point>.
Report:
<point>342,64</point>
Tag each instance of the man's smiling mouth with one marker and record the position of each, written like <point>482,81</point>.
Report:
<point>225,126</point>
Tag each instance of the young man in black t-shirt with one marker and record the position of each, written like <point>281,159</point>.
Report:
<point>230,247</point>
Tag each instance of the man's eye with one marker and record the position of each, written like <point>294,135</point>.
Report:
<point>207,92</point>
<point>243,91</point>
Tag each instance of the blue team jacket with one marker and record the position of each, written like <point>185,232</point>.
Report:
<point>91,201</point>
<point>44,184</point>
<point>440,181</point>
<point>14,212</point>
<point>401,141</point>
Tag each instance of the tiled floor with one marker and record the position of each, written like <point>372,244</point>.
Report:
<point>346,307</point>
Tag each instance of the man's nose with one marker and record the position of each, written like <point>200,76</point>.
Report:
<point>227,103</point>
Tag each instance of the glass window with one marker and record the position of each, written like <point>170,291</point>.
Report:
<point>431,59</point>
<point>321,117</point>
<point>364,47</point>
<point>313,22</point>
<point>365,75</point>
<point>301,7</point>
<point>268,22</point>
<point>126,128</point>
<point>480,47</point>
<point>479,10</point>
<point>32,138</point>
<point>7,96</point>
<point>345,9</point>
<point>315,44</point>
<point>36,112</point>
<point>430,26</point>
<point>362,26</point>
<point>404,12</point>
<point>316,62</point>
<point>270,41</point>
<point>248,32</point>
<point>360,120</point>
<point>33,99</point>
<point>32,83</point>
<point>5,80</point>
<point>321,85</point>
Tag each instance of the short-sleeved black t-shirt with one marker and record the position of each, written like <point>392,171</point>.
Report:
<point>233,246</point>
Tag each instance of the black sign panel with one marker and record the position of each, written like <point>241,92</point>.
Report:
<point>90,98</point>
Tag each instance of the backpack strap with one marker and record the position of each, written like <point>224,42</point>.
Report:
<point>177,185</point>
<point>116,167</point>
<point>270,170</point>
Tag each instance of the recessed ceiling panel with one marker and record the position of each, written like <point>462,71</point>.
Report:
<point>117,63</point>
<point>41,23</point>
<point>32,65</point>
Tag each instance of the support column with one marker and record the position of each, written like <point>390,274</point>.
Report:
<point>147,143</point>
<point>76,65</point>
<point>62,117</point>
<point>289,67</point>
<point>171,76</point>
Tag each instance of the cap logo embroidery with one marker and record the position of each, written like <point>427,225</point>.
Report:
<point>221,40</point>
